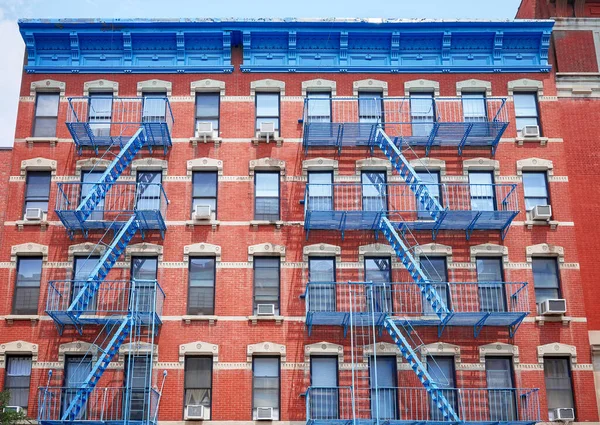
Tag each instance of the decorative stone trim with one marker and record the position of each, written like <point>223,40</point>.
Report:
<point>84,250</point>
<point>320,164</point>
<point>557,349</point>
<point>101,86</point>
<point>427,163</point>
<point>422,86</point>
<point>319,84</point>
<point>525,84</point>
<point>498,349</point>
<point>45,86</point>
<point>149,164</point>
<point>434,250</point>
<point>144,249</point>
<point>266,249</point>
<point>267,85</point>
<point>370,85</point>
<point>545,250</point>
<point>382,349</point>
<point>374,250</point>
<point>535,164</point>
<point>323,349</point>
<point>38,164</point>
<point>77,348</point>
<point>153,86</point>
<point>481,164</point>
<point>265,349</point>
<point>17,347</point>
<point>322,250</point>
<point>373,164</point>
<point>207,85</point>
<point>474,86</point>
<point>198,348</point>
<point>441,349</point>
<point>267,164</point>
<point>91,164</point>
<point>28,249</point>
<point>201,249</point>
<point>489,250</point>
<point>204,164</point>
<point>138,347</point>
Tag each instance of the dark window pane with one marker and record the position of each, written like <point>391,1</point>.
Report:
<point>201,286</point>
<point>27,288</point>
<point>383,383</point>
<point>266,281</point>
<point>502,397</point>
<point>46,113</point>
<point>526,112</point>
<point>559,388</point>
<point>37,191</point>
<point>492,297</point>
<point>321,274</point>
<point>441,369</point>
<point>320,191</point>
<point>432,182</point>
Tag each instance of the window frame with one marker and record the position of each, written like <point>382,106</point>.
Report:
<point>323,288</point>
<point>475,95</point>
<point>256,197</point>
<point>189,286</point>
<point>37,199</point>
<point>215,197</point>
<point>569,377</point>
<point>254,303</point>
<point>47,117</point>
<point>330,197</point>
<point>369,94</point>
<point>185,384</point>
<point>257,117</point>
<point>278,383</point>
<point>374,372</point>
<point>8,388</point>
<point>316,94</point>
<point>502,288</point>
<point>546,186</point>
<point>383,198</point>
<point>27,311</point>
<point>208,117</point>
<point>336,388</point>
<point>535,96</point>
<point>483,197</point>
<point>162,95</point>
<point>558,277</point>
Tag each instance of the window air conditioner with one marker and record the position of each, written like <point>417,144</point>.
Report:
<point>194,412</point>
<point>264,413</point>
<point>34,214</point>
<point>565,414</point>
<point>267,130</point>
<point>16,409</point>
<point>541,213</point>
<point>553,307</point>
<point>265,309</point>
<point>202,212</point>
<point>531,131</point>
<point>204,130</point>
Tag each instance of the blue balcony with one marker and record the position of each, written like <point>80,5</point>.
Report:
<point>344,405</point>
<point>147,201</point>
<point>456,122</point>
<point>476,304</point>
<point>99,122</point>
<point>354,206</point>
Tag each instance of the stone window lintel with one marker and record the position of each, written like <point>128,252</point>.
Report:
<point>370,85</point>
<point>489,250</point>
<point>535,164</point>
<point>28,249</point>
<point>266,249</point>
<point>149,164</point>
<point>374,250</point>
<point>100,86</point>
<point>38,164</point>
<point>319,85</point>
<point>267,164</point>
<point>498,349</point>
<point>267,85</point>
<point>265,349</point>
<point>48,85</point>
<point>525,84</point>
<point>434,249</point>
<point>198,348</point>
<point>17,347</point>
<point>481,164</point>
<point>322,250</point>
<point>320,164</point>
<point>88,164</point>
<point>431,164</point>
<point>201,249</point>
<point>441,349</point>
<point>143,249</point>
<point>545,250</point>
<point>422,86</point>
<point>373,164</point>
<point>323,349</point>
<point>555,349</point>
<point>84,249</point>
<point>153,86</point>
<point>204,164</point>
<point>207,85</point>
<point>474,86</point>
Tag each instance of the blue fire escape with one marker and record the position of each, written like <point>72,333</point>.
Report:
<point>124,313</point>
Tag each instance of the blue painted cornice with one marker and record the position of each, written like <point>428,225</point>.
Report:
<point>285,45</point>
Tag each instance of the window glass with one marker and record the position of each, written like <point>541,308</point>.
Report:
<point>138,374</point>
<point>266,196</point>
<point>559,388</point>
<point>204,190</point>
<point>155,107</point>
<point>432,182</point>
<point>474,108</point>
<point>502,396</point>
<point>149,190</point>
<point>265,382</point>
<point>201,297</point>
<point>441,369</point>
<point>321,275</point>
<point>422,112</point>
<point>545,279</point>
<point>436,270</point>
<point>100,113</point>
<point>46,114</point>
<point>266,282</point>
<point>267,109</point>
<point>526,112</point>
<point>384,391</point>
<point>77,369</point>
<point>18,376</point>
<point>207,108</point>
<point>82,270</point>
<point>370,107</point>
<point>319,106</point>
<point>378,270</point>
<point>374,191</point>
<point>37,191</point>
<point>320,191</point>
<point>324,392</point>
<point>198,381</point>
<point>536,189</point>
<point>482,191</point>
<point>492,296</point>
<point>27,288</point>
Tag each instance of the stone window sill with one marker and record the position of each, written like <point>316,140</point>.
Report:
<point>32,140</point>
<point>277,140</point>
<point>22,317</point>
<point>188,319</point>
<point>43,224</point>
<point>255,223</point>
<point>522,140</point>
<point>255,319</point>
<point>216,140</point>
<point>566,320</point>
<point>530,224</point>
<point>213,223</point>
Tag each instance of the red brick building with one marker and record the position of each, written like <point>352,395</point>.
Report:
<point>328,183</point>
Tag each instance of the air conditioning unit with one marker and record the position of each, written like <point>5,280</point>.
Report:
<point>553,307</point>
<point>204,130</point>
<point>16,409</point>
<point>541,213</point>
<point>202,212</point>
<point>265,309</point>
<point>531,131</point>
<point>267,130</point>
<point>34,214</point>
<point>195,412</point>
<point>565,414</point>
<point>264,414</point>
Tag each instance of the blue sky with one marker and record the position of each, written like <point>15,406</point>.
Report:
<point>11,10</point>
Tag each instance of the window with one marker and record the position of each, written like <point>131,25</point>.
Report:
<point>88,180</point>
<point>324,392</point>
<point>321,275</point>
<point>384,391</point>
<point>481,186</point>
<point>155,107</point>
<point>27,287</point>
<point>432,182</point>
<point>526,110</point>
<point>266,282</point>
<point>77,369</point>
<point>265,385</point>
<point>207,109</point>
<point>18,376</point>
<point>37,190</point>
<point>370,107</point>
<point>422,114</point>
<point>198,383</point>
<point>436,270</point>
<point>149,190</point>
<point>320,191</point>
<point>266,196</point>
<point>100,113</point>
<point>138,378</point>
<point>201,292</point>
<point>535,186</point>
<point>441,369</point>
<point>378,275</point>
<point>143,274</point>
<point>559,386</point>
<point>502,396</point>
<point>204,190</point>
<point>267,109</point>
<point>374,191</point>
<point>319,106</point>
<point>546,279</point>
<point>82,269</point>
<point>46,114</point>
<point>492,297</point>
<point>474,107</point>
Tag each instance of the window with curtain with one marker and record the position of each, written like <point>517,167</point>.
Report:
<point>27,286</point>
<point>198,382</point>
<point>374,191</point>
<point>502,395</point>
<point>436,270</point>
<point>266,196</point>
<point>559,385</point>
<point>207,109</point>
<point>546,280</point>
<point>267,109</point>
<point>422,114</point>
<point>155,107</point>
<point>201,292</point>
<point>483,196</point>
<point>319,106</point>
<point>266,282</point>
<point>324,393</point>
<point>46,114</point>
<point>535,186</point>
<point>492,296</point>
<point>320,191</point>
<point>17,381</point>
<point>265,384</point>
<point>384,387</point>
<point>204,190</point>
<point>431,180</point>
<point>37,190</point>
<point>441,369</point>
<point>321,275</point>
<point>526,110</point>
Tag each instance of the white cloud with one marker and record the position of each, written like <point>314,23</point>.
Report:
<point>10,74</point>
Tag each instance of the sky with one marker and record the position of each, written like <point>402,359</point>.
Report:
<point>13,46</point>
